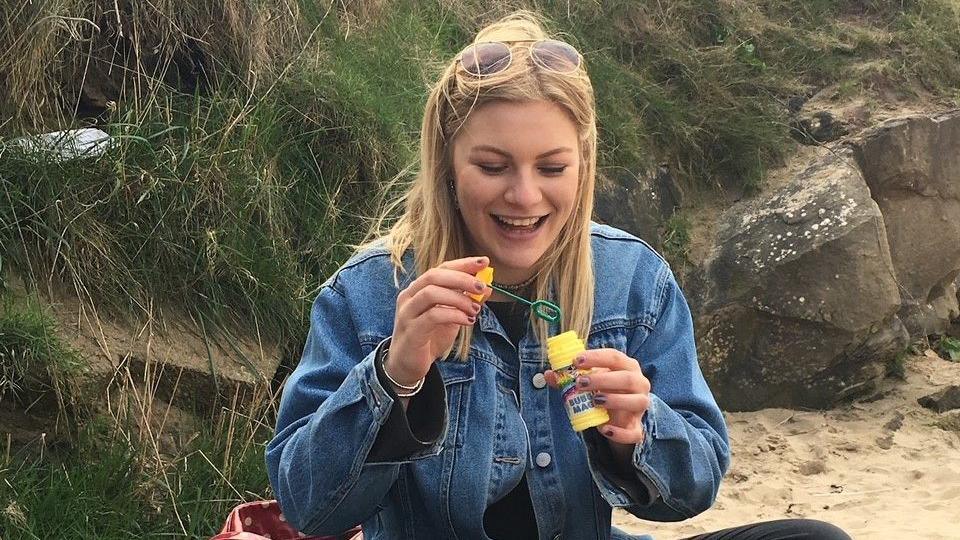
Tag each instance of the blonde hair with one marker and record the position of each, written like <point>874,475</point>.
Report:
<point>430,223</point>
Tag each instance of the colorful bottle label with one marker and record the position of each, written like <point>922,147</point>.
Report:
<point>583,413</point>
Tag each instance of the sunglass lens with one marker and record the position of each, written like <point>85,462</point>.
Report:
<point>556,56</point>
<point>485,58</point>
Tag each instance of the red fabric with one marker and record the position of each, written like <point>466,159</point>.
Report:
<point>262,520</point>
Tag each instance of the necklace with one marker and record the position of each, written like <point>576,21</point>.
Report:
<point>516,287</point>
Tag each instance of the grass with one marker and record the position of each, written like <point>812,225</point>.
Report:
<point>897,365</point>
<point>254,138</point>
<point>107,484</point>
<point>676,242</point>
<point>33,359</point>
<point>948,348</point>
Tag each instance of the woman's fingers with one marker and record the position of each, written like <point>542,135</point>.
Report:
<point>623,435</point>
<point>448,285</point>
<point>551,378</point>
<point>470,265</point>
<point>441,315</point>
<point>606,358</point>
<point>444,277</point>
<point>619,386</point>
<point>435,295</point>
<point>618,382</point>
<point>637,403</point>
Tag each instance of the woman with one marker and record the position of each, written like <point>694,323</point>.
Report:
<point>423,413</point>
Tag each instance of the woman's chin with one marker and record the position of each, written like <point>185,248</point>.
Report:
<point>513,265</point>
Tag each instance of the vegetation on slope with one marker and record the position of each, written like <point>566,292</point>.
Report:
<point>252,140</point>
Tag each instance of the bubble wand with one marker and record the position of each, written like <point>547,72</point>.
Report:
<point>543,309</point>
<point>562,349</point>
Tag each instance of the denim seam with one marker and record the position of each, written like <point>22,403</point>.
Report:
<point>356,468</point>
<point>662,280</point>
<point>628,239</point>
<point>374,252</point>
<point>643,467</point>
<point>647,321</point>
<point>383,402</point>
<point>376,338</point>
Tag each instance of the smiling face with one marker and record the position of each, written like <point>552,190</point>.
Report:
<point>516,167</point>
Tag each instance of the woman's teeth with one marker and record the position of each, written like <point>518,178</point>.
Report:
<point>524,222</point>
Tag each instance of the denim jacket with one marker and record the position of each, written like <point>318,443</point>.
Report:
<point>497,419</point>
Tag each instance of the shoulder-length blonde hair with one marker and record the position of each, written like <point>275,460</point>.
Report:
<point>430,224</point>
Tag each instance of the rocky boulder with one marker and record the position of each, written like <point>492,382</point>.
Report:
<point>637,203</point>
<point>912,167</point>
<point>797,303</point>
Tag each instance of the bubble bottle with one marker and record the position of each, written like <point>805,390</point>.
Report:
<point>562,349</point>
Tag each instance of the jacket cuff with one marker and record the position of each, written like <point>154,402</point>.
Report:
<point>416,432</point>
<point>623,485</point>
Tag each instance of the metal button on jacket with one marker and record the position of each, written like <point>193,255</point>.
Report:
<point>543,459</point>
<point>539,381</point>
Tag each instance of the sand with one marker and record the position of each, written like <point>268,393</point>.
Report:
<point>879,468</point>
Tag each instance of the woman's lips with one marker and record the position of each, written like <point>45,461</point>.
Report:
<point>514,232</point>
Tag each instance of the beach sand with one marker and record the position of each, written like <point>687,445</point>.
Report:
<point>879,468</point>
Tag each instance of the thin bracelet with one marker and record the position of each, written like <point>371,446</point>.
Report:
<point>412,393</point>
<point>411,389</point>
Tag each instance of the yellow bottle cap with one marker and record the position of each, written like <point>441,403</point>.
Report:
<point>563,348</point>
<point>486,276</point>
<point>588,419</point>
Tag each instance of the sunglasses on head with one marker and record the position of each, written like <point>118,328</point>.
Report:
<point>492,57</point>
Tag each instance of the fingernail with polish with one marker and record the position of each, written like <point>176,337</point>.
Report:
<point>608,432</point>
<point>599,399</point>
<point>478,286</point>
<point>583,382</point>
<point>472,319</point>
<point>481,260</point>
<point>580,360</point>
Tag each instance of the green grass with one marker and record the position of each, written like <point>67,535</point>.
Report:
<point>238,197</point>
<point>948,348</point>
<point>239,183</point>
<point>33,359</point>
<point>897,366</point>
<point>676,242</point>
<point>106,485</point>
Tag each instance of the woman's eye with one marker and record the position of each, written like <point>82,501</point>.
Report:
<point>553,170</point>
<point>492,169</point>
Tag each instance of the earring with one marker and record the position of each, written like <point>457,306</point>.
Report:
<point>453,193</point>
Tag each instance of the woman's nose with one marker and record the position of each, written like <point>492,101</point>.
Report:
<point>524,190</point>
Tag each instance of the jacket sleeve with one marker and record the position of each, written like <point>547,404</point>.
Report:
<point>678,467</point>
<point>331,413</point>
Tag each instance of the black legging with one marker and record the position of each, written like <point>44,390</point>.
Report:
<point>781,529</point>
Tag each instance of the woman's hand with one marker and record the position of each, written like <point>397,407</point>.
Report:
<point>620,387</point>
<point>429,314</point>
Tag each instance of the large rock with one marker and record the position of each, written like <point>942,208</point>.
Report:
<point>912,167</point>
<point>639,204</point>
<point>153,377</point>
<point>191,364</point>
<point>194,366</point>
<point>796,306</point>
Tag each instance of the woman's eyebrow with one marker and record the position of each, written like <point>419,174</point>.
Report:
<point>495,150</point>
